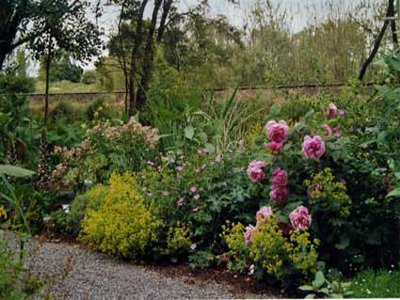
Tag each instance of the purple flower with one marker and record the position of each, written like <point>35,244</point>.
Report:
<point>277,131</point>
<point>336,131</point>
<point>343,181</point>
<point>218,159</point>
<point>279,177</point>
<point>333,111</point>
<point>196,197</point>
<point>179,169</point>
<point>300,218</point>
<point>327,129</point>
<point>313,147</point>
<point>193,189</point>
<point>275,146</point>
<point>279,194</point>
<point>248,237</point>
<point>180,202</point>
<point>255,171</point>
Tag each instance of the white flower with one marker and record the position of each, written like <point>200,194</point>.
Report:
<point>251,270</point>
<point>65,207</point>
<point>193,246</point>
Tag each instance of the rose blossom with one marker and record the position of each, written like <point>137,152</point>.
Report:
<point>336,131</point>
<point>327,129</point>
<point>264,213</point>
<point>279,194</point>
<point>313,147</point>
<point>277,131</point>
<point>255,171</point>
<point>274,146</point>
<point>333,111</point>
<point>248,237</point>
<point>279,177</point>
<point>300,218</point>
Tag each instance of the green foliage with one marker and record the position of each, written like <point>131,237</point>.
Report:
<point>65,110</point>
<point>118,221</point>
<point>15,281</point>
<point>68,221</point>
<point>284,257</point>
<point>376,284</point>
<point>89,77</point>
<point>97,110</point>
<point>322,288</point>
<point>62,69</point>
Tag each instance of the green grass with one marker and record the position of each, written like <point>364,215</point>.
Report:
<point>381,284</point>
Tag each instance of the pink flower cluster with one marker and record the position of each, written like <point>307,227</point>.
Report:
<point>255,171</point>
<point>300,218</point>
<point>313,147</point>
<point>329,131</point>
<point>279,191</point>
<point>277,133</point>
<point>264,214</point>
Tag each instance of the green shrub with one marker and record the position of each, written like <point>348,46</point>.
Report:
<point>89,77</point>
<point>15,282</point>
<point>380,284</point>
<point>118,221</point>
<point>65,110</point>
<point>97,110</point>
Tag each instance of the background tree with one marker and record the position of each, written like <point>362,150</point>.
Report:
<point>66,29</point>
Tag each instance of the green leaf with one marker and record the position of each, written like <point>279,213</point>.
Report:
<point>275,109</point>
<point>310,296</point>
<point>394,193</point>
<point>344,243</point>
<point>319,280</point>
<point>15,171</point>
<point>324,291</point>
<point>189,132</point>
<point>306,288</point>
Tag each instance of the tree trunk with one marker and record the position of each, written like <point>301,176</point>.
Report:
<point>136,47</point>
<point>2,58</point>
<point>149,60</point>
<point>393,24</point>
<point>389,14</point>
<point>46,97</point>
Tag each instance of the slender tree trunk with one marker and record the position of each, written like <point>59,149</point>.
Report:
<point>389,14</point>
<point>393,24</point>
<point>136,47</point>
<point>2,59</point>
<point>46,97</point>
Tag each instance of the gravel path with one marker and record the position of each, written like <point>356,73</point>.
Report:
<point>78,274</point>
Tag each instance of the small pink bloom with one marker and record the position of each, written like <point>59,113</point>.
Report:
<point>333,111</point>
<point>171,160</point>
<point>279,177</point>
<point>275,147</point>
<point>300,218</point>
<point>150,163</point>
<point>180,202</point>
<point>343,181</point>
<point>279,194</point>
<point>218,159</point>
<point>264,213</point>
<point>165,194</point>
<point>196,197</point>
<point>313,147</point>
<point>336,131</point>
<point>194,209</point>
<point>180,168</point>
<point>178,175</point>
<point>197,170</point>
<point>251,270</point>
<point>327,129</point>
<point>193,189</point>
<point>277,131</point>
<point>255,171</point>
<point>248,237</point>
<point>160,169</point>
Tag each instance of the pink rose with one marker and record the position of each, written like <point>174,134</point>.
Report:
<point>255,171</point>
<point>248,237</point>
<point>300,218</point>
<point>313,147</point>
<point>274,146</point>
<point>279,177</point>
<point>327,129</point>
<point>333,111</point>
<point>336,131</point>
<point>279,194</point>
<point>264,213</point>
<point>277,132</point>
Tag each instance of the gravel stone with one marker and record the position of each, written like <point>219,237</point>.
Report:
<point>79,274</point>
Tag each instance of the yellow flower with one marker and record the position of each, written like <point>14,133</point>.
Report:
<point>3,212</point>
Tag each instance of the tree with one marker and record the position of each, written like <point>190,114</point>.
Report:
<point>389,20</point>
<point>62,69</point>
<point>65,29</point>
